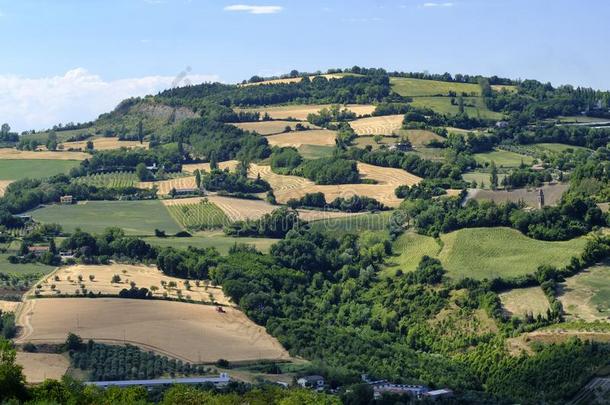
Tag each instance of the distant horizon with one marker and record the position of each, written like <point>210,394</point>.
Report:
<point>71,61</point>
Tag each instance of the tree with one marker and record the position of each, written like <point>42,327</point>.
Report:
<point>242,168</point>
<point>143,173</point>
<point>5,129</point>
<point>116,279</point>
<point>198,178</point>
<point>378,139</point>
<point>89,145</point>
<point>140,131</point>
<point>52,141</point>
<point>52,247</point>
<point>494,176</point>
<point>213,161</point>
<point>461,104</point>
<point>12,381</point>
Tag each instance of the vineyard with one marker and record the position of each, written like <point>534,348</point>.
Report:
<point>109,180</point>
<point>198,216</point>
<point>108,363</point>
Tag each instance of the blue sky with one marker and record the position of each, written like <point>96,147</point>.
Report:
<point>66,52</point>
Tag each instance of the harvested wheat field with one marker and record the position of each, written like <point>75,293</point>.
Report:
<point>3,185</point>
<point>143,277</point>
<point>165,186</point>
<point>190,332</point>
<point>387,175</point>
<point>105,144</point>
<point>520,301</point>
<point>8,306</point>
<point>14,154</point>
<point>272,127</point>
<point>300,112</point>
<point>205,167</point>
<point>288,80</point>
<point>384,125</point>
<point>38,367</point>
<point>278,182</point>
<point>322,137</point>
<point>383,193</point>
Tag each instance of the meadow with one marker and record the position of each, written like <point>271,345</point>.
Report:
<point>420,87</point>
<point>586,296</point>
<point>474,106</point>
<point>189,332</point>
<point>34,168</point>
<point>315,151</point>
<point>135,217</point>
<point>483,252</point>
<point>483,179</point>
<point>207,239</point>
<point>554,147</point>
<point>521,301</point>
<point>503,158</point>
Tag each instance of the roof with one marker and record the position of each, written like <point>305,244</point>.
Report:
<point>312,378</point>
<point>444,391</point>
<point>38,248</point>
<point>222,379</point>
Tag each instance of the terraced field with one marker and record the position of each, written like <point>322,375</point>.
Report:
<point>320,137</point>
<point>112,180</point>
<point>271,127</point>
<point>201,215</point>
<point>104,144</point>
<point>384,125</point>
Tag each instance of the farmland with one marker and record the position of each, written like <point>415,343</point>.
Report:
<point>135,217</point>
<point>318,137</point>
<point>300,111</point>
<point>384,125</point>
<point>553,148</point>
<point>271,127</point>
<point>315,151</point>
<point>190,332</point>
<point>14,154</point>
<point>353,224</point>
<point>38,367</point>
<point>586,296</point>
<point>33,168</point>
<point>420,87</point>
<point>503,158</point>
<point>201,215</point>
<point>295,79</point>
<point>552,195</point>
<point>165,186</point>
<point>74,280</point>
<point>484,252</point>
<point>215,239</point>
<point>3,185</point>
<point>482,178</point>
<point>104,144</point>
<point>474,106</point>
<point>111,180</point>
<point>520,301</point>
<point>418,137</point>
<point>191,167</point>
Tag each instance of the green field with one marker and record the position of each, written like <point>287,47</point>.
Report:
<point>28,268</point>
<point>315,151</point>
<point>484,252</point>
<point>482,178</point>
<point>503,158</point>
<point>135,217</point>
<point>111,180</point>
<point>475,107</point>
<point>353,224</point>
<point>203,215</point>
<point>62,136</point>
<point>590,289</point>
<point>211,239</point>
<point>554,147</point>
<point>419,87</point>
<point>16,169</point>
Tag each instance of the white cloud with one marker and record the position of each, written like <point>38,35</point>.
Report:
<point>430,4</point>
<point>38,103</point>
<point>254,9</point>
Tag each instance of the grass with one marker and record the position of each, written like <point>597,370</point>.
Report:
<point>519,301</point>
<point>34,168</point>
<point>482,178</point>
<point>406,86</point>
<point>587,294</point>
<point>503,158</point>
<point>203,215</point>
<point>217,240</point>
<point>135,217</point>
<point>315,151</point>
<point>20,269</point>
<point>112,180</point>
<point>353,224</point>
<point>483,252</point>
<point>474,106</point>
<point>554,147</point>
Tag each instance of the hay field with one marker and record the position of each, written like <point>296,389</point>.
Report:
<point>419,137</point>
<point>387,175</point>
<point>8,306</point>
<point>520,301</point>
<point>321,137</point>
<point>383,125</point>
<point>406,86</point>
<point>300,111</point>
<point>14,154</point>
<point>143,276</point>
<point>271,127</point>
<point>216,239</point>
<point>3,185</point>
<point>13,169</point>
<point>586,296</point>
<point>503,158</point>
<point>38,367</point>
<point>552,195</point>
<point>315,151</point>
<point>165,186</point>
<point>202,214</point>
<point>205,167</point>
<point>190,332</point>
<point>105,144</point>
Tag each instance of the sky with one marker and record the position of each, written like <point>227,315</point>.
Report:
<point>71,60</point>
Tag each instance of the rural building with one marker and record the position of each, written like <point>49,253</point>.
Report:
<point>66,199</point>
<point>501,124</point>
<point>221,381</point>
<point>38,250</point>
<point>438,394</point>
<point>415,391</point>
<point>401,146</point>
<point>153,167</point>
<point>311,381</point>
